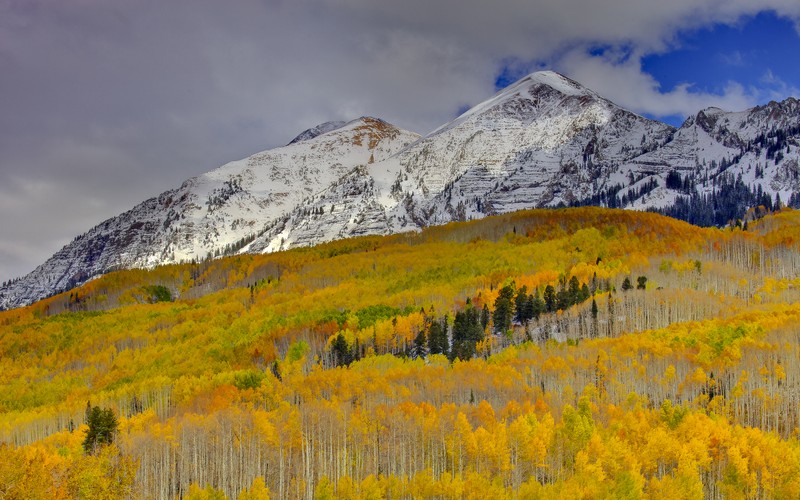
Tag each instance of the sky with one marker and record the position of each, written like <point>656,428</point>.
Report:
<point>105,103</point>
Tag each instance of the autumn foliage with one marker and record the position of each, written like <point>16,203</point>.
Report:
<point>500,358</point>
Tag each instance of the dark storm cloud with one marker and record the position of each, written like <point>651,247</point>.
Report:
<point>106,102</point>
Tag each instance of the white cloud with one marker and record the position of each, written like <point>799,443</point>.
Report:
<point>736,58</point>
<point>623,81</point>
<point>776,89</point>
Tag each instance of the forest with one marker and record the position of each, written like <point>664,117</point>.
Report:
<point>571,353</point>
<point>710,195</point>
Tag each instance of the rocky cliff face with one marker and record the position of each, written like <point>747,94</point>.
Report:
<point>544,141</point>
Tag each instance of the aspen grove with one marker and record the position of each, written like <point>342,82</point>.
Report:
<point>572,353</point>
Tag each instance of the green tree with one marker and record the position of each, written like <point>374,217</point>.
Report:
<point>437,337</point>
<point>157,293</point>
<point>341,351</point>
<point>503,309</point>
<point>585,293</point>
<point>626,284</point>
<point>248,379</point>
<point>520,305</point>
<point>550,298</point>
<point>102,429</point>
<point>562,297</point>
<point>641,282</point>
<point>528,311</point>
<point>420,345</point>
<point>467,332</point>
<point>537,305</point>
<point>574,291</point>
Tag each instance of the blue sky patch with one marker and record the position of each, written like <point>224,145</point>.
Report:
<point>760,52</point>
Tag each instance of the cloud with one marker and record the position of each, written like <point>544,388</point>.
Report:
<point>736,59</point>
<point>109,102</point>
<point>620,78</point>
<point>776,89</point>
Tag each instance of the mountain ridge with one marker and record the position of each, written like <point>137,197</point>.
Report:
<point>543,141</point>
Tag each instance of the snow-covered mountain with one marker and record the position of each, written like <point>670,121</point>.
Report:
<point>544,141</point>
<point>322,128</point>
<point>548,141</point>
<point>759,144</point>
<point>216,212</point>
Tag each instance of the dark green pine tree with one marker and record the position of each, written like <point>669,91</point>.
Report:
<point>641,282</point>
<point>503,309</point>
<point>585,293</point>
<point>341,351</point>
<point>574,291</point>
<point>476,333</point>
<point>529,309</point>
<point>420,345</point>
<point>537,305</point>
<point>520,302</point>
<point>626,284</point>
<point>102,429</point>
<point>550,298</point>
<point>437,337</point>
<point>485,317</point>
<point>562,298</point>
<point>467,332</point>
<point>460,347</point>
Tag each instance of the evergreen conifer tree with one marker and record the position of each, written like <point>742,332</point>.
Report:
<point>102,429</point>
<point>437,337</point>
<point>503,309</point>
<point>550,298</point>
<point>520,302</point>
<point>420,345</point>
<point>626,284</point>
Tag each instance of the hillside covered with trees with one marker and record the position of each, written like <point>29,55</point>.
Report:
<point>575,353</point>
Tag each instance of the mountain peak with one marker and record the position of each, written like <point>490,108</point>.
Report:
<point>358,125</point>
<point>322,128</point>
<point>532,92</point>
<point>544,140</point>
<point>555,81</point>
<point>368,121</point>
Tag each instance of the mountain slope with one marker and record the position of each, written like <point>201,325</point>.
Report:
<point>760,145</point>
<point>543,141</point>
<point>548,141</point>
<point>253,378</point>
<point>214,212</point>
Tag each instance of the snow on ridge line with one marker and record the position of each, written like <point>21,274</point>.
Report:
<point>317,130</point>
<point>556,81</point>
<point>214,212</point>
<point>542,141</point>
<point>332,126</point>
